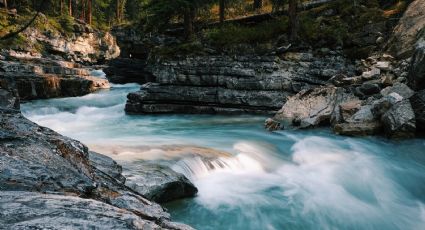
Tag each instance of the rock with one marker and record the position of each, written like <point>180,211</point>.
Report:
<point>32,210</point>
<point>418,104</point>
<point>107,165</point>
<point>383,65</point>
<point>36,159</point>
<point>159,183</point>
<point>363,115</point>
<point>358,129</point>
<point>309,108</point>
<point>8,99</point>
<point>272,125</point>
<point>226,84</point>
<point>37,78</point>
<point>381,106</point>
<point>399,88</point>
<point>85,47</point>
<point>128,70</point>
<point>372,73</point>
<point>368,89</point>
<point>348,109</point>
<point>342,80</point>
<point>387,80</point>
<point>416,75</point>
<point>399,121</point>
<point>404,37</point>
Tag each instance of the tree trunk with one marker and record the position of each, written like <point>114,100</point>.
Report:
<point>258,4</point>
<point>83,10</point>
<point>293,20</point>
<point>89,12</point>
<point>70,7</point>
<point>118,12</point>
<point>189,16</point>
<point>5,4</point>
<point>61,6</point>
<point>222,7</point>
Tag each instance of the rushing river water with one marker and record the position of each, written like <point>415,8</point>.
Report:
<point>254,179</point>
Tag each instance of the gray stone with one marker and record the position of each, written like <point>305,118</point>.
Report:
<point>30,210</point>
<point>358,129</point>
<point>107,165</point>
<point>399,88</point>
<point>309,108</point>
<point>416,76</point>
<point>399,121</point>
<point>418,104</point>
<point>158,182</point>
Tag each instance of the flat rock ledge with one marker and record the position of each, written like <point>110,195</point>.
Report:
<point>48,181</point>
<point>232,85</point>
<point>36,77</point>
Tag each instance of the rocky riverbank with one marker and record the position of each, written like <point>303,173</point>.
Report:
<point>52,64</point>
<point>387,98</point>
<point>43,173</point>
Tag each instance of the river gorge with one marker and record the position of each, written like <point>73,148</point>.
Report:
<point>250,178</point>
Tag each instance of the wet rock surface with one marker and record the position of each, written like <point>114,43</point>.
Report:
<point>38,160</point>
<point>158,182</point>
<point>33,210</point>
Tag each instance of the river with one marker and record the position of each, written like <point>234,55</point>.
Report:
<point>254,179</point>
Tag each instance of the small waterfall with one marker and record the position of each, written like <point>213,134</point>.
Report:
<point>198,167</point>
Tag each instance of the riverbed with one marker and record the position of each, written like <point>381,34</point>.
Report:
<point>252,178</point>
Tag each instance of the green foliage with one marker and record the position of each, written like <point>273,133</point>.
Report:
<point>235,34</point>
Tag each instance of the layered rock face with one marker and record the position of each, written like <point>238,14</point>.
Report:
<point>85,45</point>
<point>405,34</point>
<point>369,104</point>
<point>36,77</point>
<point>224,84</point>
<point>43,174</point>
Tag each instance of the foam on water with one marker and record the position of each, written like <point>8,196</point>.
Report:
<point>249,178</point>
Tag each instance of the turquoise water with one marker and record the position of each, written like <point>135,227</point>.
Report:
<point>249,178</point>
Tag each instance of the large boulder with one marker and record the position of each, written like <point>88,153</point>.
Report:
<point>309,108</point>
<point>418,104</point>
<point>405,34</point>
<point>399,121</point>
<point>416,77</point>
<point>159,182</point>
<point>399,88</point>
